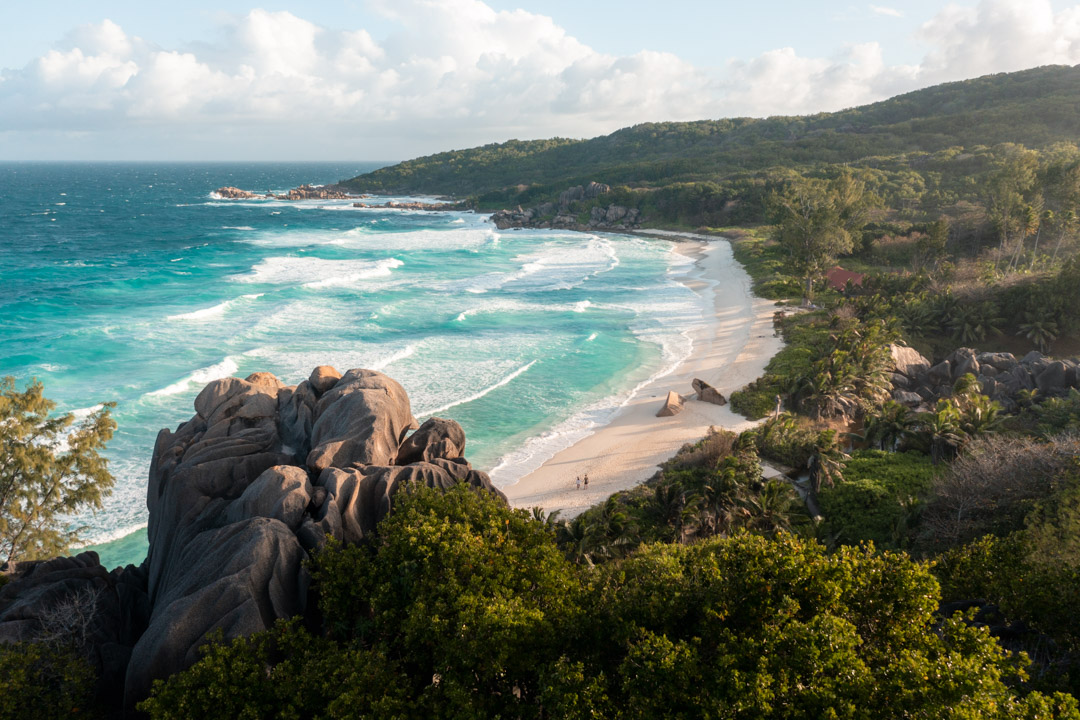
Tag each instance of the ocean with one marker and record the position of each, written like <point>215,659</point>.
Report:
<point>133,283</point>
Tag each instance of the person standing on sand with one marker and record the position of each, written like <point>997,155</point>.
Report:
<point>586,481</point>
<point>578,482</point>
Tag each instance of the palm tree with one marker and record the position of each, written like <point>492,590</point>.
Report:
<point>575,539</point>
<point>768,511</point>
<point>1047,219</point>
<point>1066,223</point>
<point>888,427</point>
<point>717,507</point>
<point>669,506</point>
<point>979,415</point>
<point>972,323</point>
<point>1040,331</point>
<point>612,533</point>
<point>827,460</point>
<point>942,431</point>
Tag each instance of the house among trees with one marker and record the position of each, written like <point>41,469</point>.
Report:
<point>838,278</point>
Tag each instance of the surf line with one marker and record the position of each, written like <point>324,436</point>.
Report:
<point>509,378</point>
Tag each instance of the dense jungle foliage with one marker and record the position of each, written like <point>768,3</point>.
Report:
<point>923,148</point>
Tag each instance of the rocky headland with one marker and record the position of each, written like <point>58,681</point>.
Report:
<point>238,497</point>
<point>567,212</point>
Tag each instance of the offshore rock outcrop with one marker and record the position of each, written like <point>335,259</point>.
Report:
<point>304,192</point>
<point>566,213</point>
<point>239,495</point>
<point>411,205</point>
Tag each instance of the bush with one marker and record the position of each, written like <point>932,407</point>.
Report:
<point>993,485</point>
<point>45,681</point>
<point>788,440</point>
<point>879,498</point>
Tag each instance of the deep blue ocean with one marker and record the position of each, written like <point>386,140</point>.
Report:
<point>133,283</point>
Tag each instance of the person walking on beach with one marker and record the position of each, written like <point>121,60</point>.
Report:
<point>586,481</point>
<point>578,482</point>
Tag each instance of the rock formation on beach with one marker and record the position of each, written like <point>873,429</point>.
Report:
<point>673,405</point>
<point>564,213</point>
<point>239,495</point>
<point>707,393</point>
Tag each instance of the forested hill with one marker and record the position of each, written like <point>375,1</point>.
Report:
<point>1034,108</point>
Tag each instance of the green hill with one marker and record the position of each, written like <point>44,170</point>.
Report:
<point>1035,108</point>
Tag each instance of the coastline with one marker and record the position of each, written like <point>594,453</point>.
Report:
<point>730,349</point>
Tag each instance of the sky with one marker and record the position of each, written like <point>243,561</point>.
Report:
<point>394,79</point>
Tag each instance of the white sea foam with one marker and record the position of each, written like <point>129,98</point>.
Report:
<point>225,368</point>
<point>537,450</point>
<point>108,536</point>
<point>293,366</point>
<point>666,318</point>
<point>237,227</point>
<point>392,358</point>
<point>81,414</point>
<point>366,237</point>
<point>382,268</point>
<point>557,267</point>
<point>506,306</point>
<point>52,367</point>
<point>476,396</point>
<point>312,272</point>
<point>215,311</point>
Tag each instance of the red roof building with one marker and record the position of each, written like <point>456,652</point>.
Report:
<point>838,278</point>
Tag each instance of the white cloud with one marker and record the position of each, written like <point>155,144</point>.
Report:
<point>891,12</point>
<point>456,73</point>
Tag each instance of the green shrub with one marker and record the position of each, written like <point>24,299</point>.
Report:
<point>787,440</point>
<point>283,673</point>
<point>43,681</point>
<point>878,499</point>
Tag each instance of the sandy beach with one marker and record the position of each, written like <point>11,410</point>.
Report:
<point>730,349</point>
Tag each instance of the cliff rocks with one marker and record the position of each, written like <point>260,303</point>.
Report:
<point>239,496</point>
<point>918,384</point>
<point>565,213</point>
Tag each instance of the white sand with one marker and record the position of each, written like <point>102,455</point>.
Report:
<point>730,350</point>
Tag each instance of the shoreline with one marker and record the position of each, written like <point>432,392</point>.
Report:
<point>730,349</point>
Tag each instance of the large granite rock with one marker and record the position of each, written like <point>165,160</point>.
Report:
<point>707,393</point>
<point>1000,375</point>
<point>239,495</point>
<point>673,405</point>
<point>908,361</point>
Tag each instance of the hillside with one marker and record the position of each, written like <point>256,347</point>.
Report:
<point>1035,108</point>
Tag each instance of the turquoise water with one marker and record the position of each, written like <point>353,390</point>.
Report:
<point>132,283</point>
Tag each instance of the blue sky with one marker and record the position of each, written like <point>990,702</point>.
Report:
<point>392,79</point>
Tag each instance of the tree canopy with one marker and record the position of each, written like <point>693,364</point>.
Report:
<point>50,468</point>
